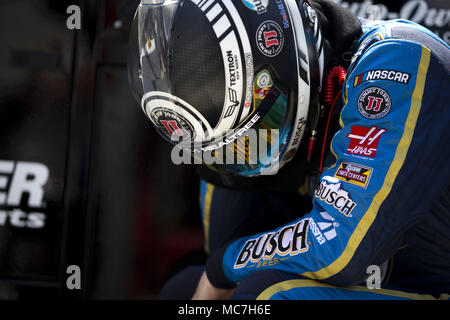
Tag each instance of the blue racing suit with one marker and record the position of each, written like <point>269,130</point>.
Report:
<point>386,192</point>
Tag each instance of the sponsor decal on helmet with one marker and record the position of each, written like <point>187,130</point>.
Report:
<point>364,141</point>
<point>298,132</point>
<point>269,38</point>
<point>283,13</point>
<point>290,240</point>
<point>261,86</point>
<point>248,57</point>
<point>174,117</point>
<point>171,123</point>
<point>374,103</point>
<point>260,6</point>
<point>391,75</point>
<point>354,174</point>
<point>234,83</point>
<point>331,192</point>
<point>264,80</point>
<point>233,67</point>
<point>233,102</point>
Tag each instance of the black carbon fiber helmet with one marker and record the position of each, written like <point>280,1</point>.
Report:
<point>208,72</point>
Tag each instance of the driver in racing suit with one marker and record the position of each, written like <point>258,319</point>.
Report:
<point>380,195</point>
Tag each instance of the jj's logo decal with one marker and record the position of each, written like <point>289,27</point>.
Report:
<point>169,123</point>
<point>374,103</point>
<point>269,38</point>
<point>290,240</point>
<point>172,127</point>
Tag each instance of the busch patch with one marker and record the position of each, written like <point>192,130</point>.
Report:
<point>364,141</point>
<point>331,192</point>
<point>290,240</point>
<point>353,173</point>
<point>269,38</point>
<point>374,103</point>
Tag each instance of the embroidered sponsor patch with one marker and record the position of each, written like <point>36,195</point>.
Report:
<point>391,75</point>
<point>354,173</point>
<point>332,193</point>
<point>374,103</point>
<point>325,228</point>
<point>364,141</point>
<point>269,248</point>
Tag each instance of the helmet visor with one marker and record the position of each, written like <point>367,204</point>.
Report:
<point>254,148</point>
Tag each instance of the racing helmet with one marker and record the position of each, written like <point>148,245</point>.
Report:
<point>216,76</point>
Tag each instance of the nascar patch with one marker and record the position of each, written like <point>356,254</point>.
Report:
<point>391,75</point>
<point>354,173</point>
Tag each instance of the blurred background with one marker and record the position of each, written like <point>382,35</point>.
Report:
<point>84,178</point>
